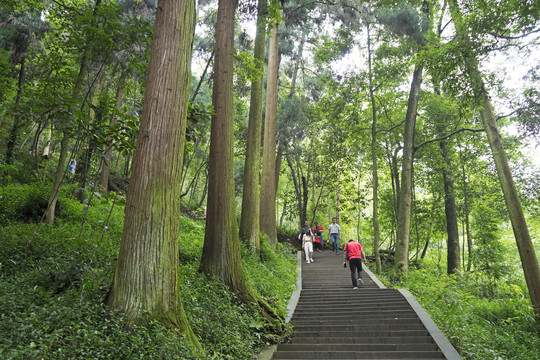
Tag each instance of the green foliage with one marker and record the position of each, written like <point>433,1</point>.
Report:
<point>198,120</point>
<point>28,203</point>
<point>498,325</point>
<point>53,291</point>
<point>331,49</point>
<point>403,20</point>
<point>489,253</point>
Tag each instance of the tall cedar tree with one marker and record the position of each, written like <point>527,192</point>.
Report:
<point>249,222</point>
<point>221,250</point>
<point>268,220</point>
<point>146,277</point>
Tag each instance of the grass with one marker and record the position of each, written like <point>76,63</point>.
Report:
<point>483,319</point>
<point>51,303</point>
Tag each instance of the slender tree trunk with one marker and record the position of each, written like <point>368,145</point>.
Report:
<point>416,221</point>
<point>338,195</point>
<point>297,191</point>
<point>202,76</point>
<point>453,256</point>
<point>146,278</point>
<point>525,246</point>
<point>404,205</point>
<point>48,144</point>
<point>83,167</point>
<point>12,138</point>
<point>374,159</point>
<point>268,193</point>
<point>452,248</point>
<point>467,222</point>
<point>64,144</point>
<point>107,156</point>
<point>249,221</point>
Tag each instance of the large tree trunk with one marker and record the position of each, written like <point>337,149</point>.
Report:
<point>146,277</point>
<point>525,246</point>
<point>249,221</point>
<point>268,194</point>
<point>221,249</point>
<point>405,197</point>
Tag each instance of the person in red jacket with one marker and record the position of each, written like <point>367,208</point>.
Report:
<point>356,254</point>
<point>318,232</point>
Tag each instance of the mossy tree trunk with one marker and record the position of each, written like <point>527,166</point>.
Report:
<point>146,277</point>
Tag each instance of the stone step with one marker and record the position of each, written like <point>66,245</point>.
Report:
<point>341,334</point>
<point>332,320</point>
<point>358,314</point>
<point>360,327</point>
<point>345,338</point>
<point>347,307</point>
<point>382,355</point>
<point>422,347</point>
<point>347,322</point>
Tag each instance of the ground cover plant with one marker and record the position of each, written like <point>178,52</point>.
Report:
<point>483,319</point>
<point>51,303</point>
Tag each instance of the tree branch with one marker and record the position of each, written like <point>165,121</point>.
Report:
<point>446,137</point>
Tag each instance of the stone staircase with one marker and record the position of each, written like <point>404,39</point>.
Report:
<point>334,321</point>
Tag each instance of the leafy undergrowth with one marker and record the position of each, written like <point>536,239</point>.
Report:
<point>51,302</point>
<point>483,319</point>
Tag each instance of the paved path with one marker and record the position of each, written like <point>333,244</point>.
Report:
<point>334,321</point>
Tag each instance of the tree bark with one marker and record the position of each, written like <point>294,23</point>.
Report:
<point>249,220</point>
<point>268,220</point>
<point>525,246</point>
<point>338,195</point>
<point>404,205</point>
<point>221,249</point>
<point>146,278</point>
<point>453,253</point>
<point>467,222</point>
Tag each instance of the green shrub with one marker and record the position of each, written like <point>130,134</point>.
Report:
<point>51,303</point>
<point>28,203</point>
<point>498,324</point>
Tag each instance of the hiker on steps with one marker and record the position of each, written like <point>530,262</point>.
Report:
<point>307,245</point>
<point>354,252</point>
<point>334,232</point>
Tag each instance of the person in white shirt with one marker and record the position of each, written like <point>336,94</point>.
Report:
<point>307,245</point>
<point>334,232</point>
